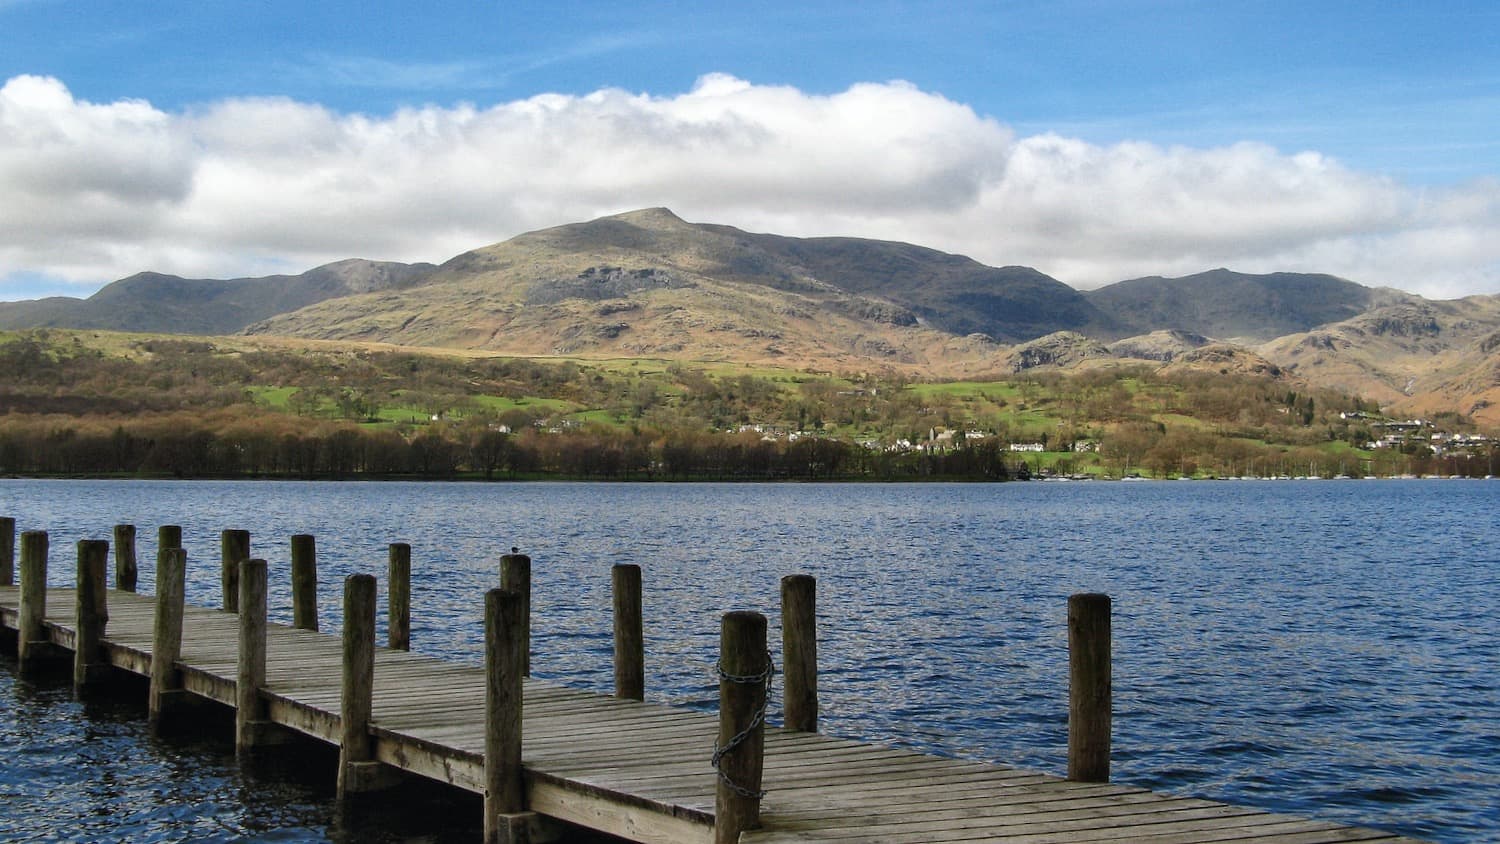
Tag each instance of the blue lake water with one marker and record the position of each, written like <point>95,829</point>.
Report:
<point>1321,648</point>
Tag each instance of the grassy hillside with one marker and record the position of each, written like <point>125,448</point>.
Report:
<point>97,402</point>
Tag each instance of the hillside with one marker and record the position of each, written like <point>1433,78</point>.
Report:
<point>1235,306</point>
<point>649,284</point>
<point>167,303</point>
<point>1422,357</point>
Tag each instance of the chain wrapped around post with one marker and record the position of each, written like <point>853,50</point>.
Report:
<point>756,720</point>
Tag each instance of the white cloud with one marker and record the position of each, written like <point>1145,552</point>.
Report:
<point>93,192</point>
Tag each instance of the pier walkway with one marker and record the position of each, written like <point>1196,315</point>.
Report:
<point>641,771</point>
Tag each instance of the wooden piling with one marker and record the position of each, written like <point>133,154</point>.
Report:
<point>1090,690</point>
<point>168,536</point>
<point>799,651</point>
<point>398,579</point>
<point>32,646</point>
<point>234,548</point>
<point>515,576</point>
<point>358,770</point>
<point>250,676</point>
<point>126,571</point>
<point>304,582</point>
<point>7,551</point>
<point>166,634</point>
<point>630,640</point>
<point>505,626</point>
<point>90,664</point>
<point>739,754</point>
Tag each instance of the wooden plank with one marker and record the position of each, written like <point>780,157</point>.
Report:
<point>641,770</point>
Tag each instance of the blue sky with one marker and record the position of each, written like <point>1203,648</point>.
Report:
<point>1022,132</point>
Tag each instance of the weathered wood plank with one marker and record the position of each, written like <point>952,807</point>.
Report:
<point>641,770</point>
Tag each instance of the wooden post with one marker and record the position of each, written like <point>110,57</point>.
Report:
<point>32,646</point>
<point>166,634</point>
<point>1089,687</point>
<point>504,661</point>
<point>125,568</point>
<point>250,678</point>
<point>398,578</point>
<point>515,576</point>
<point>168,536</point>
<point>799,651</point>
<point>358,770</point>
<point>234,548</point>
<point>304,582</point>
<point>7,551</point>
<point>630,640</point>
<point>744,672</point>
<point>90,665</point>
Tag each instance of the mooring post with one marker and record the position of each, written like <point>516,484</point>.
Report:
<point>126,571</point>
<point>7,551</point>
<point>234,548</point>
<point>32,646</point>
<point>1089,687</point>
<point>90,665</point>
<point>168,536</point>
<point>166,634</point>
<point>630,640</point>
<point>304,582</point>
<point>398,578</point>
<point>515,576</point>
<point>739,752</point>
<point>358,770</point>
<point>799,651</point>
<point>505,818</point>
<point>250,677</point>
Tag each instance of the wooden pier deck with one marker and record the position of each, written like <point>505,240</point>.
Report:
<point>641,771</point>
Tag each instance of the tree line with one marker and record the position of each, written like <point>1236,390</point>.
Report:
<point>265,446</point>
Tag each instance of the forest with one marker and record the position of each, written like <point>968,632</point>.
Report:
<point>103,404</point>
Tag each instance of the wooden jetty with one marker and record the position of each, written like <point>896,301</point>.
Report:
<point>634,769</point>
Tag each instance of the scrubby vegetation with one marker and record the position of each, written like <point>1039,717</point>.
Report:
<point>98,403</point>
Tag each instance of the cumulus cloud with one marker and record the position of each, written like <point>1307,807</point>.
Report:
<point>91,192</point>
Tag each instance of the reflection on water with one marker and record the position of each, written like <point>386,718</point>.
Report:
<point>1319,649</point>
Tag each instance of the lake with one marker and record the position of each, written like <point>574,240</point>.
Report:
<point>1321,648</point>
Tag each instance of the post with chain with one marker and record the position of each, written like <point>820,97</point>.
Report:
<point>515,576</point>
<point>630,643</point>
<point>799,651</point>
<point>398,579</point>
<point>166,635</point>
<point>7,551</point>
<point>234,548</point>
<point>304,582</point>
<point>33,648</point>
<point>90,664</point>
<point>1090,689</point>
<point>126,571</point>
<point>506,820</point>
<point>250,726</point>
<point>739,753</point>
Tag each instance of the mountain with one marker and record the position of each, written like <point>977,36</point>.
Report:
<point>1419,356</point>
<point>647,284</point>
<point>154,302</point>
<point>1236,306</point>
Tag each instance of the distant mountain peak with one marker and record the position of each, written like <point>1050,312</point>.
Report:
<point>658,217</point>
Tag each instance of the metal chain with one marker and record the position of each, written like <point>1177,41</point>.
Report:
<point>756,720</point>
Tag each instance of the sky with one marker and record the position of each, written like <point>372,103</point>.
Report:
<point>1094,140</point>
